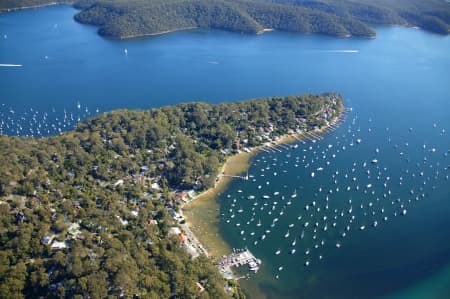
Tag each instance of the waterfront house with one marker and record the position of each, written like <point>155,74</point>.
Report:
<point>200,287</point>
<point>57,245</point>
<point>47,240</point>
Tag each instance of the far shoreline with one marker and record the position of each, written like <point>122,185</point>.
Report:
<point>13,9</point>
<point>262,31</point>
<point>161,33</point>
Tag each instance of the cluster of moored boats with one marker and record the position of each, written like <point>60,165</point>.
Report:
<point>35,123</point>
<point>308,198</point>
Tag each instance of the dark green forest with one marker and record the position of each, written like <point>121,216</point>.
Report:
<point>79,218</point>
<point>344,18</point>
<point>133,18</point>
<point>430,15</point>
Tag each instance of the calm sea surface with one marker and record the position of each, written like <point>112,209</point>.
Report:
<point>364,228</point>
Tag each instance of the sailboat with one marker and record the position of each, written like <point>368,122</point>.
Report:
<point>294,195</point>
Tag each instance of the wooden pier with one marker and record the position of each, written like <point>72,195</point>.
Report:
<point>244,177</point>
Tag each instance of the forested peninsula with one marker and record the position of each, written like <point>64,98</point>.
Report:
<point>91,213</point>
<point>345,18</point>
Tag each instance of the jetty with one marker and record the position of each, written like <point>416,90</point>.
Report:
<point>242,177</point>
<point>239,257</point>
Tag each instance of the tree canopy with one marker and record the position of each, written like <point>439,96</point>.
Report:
<point>131,18</point>
<point>80,216</point>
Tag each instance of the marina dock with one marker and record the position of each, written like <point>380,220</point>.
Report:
<point>236,259</point>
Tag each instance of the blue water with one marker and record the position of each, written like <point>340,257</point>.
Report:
<point>398,87</point>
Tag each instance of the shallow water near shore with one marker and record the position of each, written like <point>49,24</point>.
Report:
<point>202,214</point>
<point>397,85</point>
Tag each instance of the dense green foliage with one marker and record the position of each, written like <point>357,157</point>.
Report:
<point>431,15</point>
<point>51,185</point>
<point>129,18</point>
<point>138,17</point>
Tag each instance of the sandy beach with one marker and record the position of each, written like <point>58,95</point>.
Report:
<point>202,213</point>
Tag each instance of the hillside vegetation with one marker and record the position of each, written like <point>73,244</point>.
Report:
<point>137,17</point>
<point>344,18</point>
<point>431,15</point>
<point>87,214</point>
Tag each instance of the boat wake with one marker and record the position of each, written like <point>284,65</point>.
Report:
<point>340,51</point>
<point>10,65</point>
